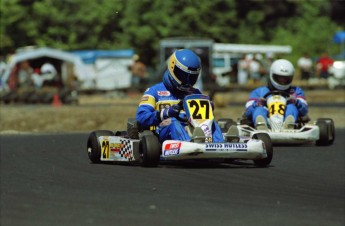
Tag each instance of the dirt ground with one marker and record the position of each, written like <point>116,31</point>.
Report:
<point>111,111</point>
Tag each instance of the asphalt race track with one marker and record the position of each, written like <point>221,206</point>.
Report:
<point>47,179</point>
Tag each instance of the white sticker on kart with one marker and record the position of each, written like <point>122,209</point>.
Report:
<point>226,147</point>
<point>172,149</point>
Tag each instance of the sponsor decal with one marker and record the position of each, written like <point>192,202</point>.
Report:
<point>163,93</point>
<point>161,106</point>
<point>226,147</point>
<point>208,140</point>
<point>147,100</point>
<point>116,147</point>
<point>172,149</point>
<point>144,98</point>
<point>206,130</point>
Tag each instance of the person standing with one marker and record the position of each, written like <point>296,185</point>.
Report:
<point>305,65</point>
<point>323,64</point>
<point>139,72</point>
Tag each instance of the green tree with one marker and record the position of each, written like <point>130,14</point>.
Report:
<point>310,30</point>
<point>306,25</point>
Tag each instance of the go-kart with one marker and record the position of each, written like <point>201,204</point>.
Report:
<point>141,145</point>
<point>321,132</point>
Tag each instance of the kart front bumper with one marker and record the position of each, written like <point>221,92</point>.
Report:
<point>307,134</point>
<point>181,150</point>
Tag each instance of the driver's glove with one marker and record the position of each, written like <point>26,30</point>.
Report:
<point>292,99</point>
<point>259,102</point>
<point>298,103</point>
<point>170,112</point>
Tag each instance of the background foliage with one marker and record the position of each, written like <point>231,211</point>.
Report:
<point>306,25</point>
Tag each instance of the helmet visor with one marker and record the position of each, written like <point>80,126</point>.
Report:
<point>282,80</point>
<point>186,78</point>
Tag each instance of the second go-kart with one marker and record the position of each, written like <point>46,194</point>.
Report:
<point>141,145</point>
<point>321,132</point>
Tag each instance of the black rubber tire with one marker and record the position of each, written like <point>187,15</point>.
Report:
<point>324,133</point>
<point>264,137</point>
<point>94,149</point>
<point>150,151</point>
<point>331,126</point>
<point>225,124</point>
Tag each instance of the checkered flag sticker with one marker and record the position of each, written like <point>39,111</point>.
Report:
<point>126,150</point>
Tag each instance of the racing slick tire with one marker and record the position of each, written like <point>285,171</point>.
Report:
<point>330,133</point>
<point>94,149</point>
<point>225,124</point>
<point>150,150</point>
<point>264,137</point>
<point>327,132</point>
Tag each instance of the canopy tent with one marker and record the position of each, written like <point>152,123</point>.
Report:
<point>79,68</point>
<point>110,68</point>
<point>90,56</point>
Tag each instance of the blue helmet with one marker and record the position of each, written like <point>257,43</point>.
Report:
<point>184,68</point>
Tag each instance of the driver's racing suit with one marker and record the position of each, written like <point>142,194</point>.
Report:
<point>297,106</point>
<point>153,101</point>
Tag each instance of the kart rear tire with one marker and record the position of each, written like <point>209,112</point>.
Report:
<point>330,133</point>
<point>264,137</point>
<point>94,149</point>
<point>150,150</point>
<point>225,124</point>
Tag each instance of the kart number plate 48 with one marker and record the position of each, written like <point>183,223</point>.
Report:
<point>276,108</point>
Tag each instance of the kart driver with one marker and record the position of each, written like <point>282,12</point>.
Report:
<point>159,105</point>
<point>280,78</point>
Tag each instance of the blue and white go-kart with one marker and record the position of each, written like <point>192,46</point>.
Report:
<point>141,145</point>
<point>321,132</point>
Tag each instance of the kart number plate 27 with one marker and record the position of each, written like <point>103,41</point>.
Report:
<point>200,109</point>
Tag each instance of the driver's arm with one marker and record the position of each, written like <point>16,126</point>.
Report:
<point>254,100</point>
<point>146,114</point>
<point>301,102</point>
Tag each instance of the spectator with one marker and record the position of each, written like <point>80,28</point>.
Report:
<point>254,69</point>
<point>265,66</point>
<point>323,64</point>
<point>305,65</point>
<point>24,74</point>
<point>242,70</point>
<point>139,72</point>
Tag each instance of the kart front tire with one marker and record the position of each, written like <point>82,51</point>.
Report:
<point>327,131</point>
<point>150,151</point>
<point>265,138</point>
<point>94,148</point>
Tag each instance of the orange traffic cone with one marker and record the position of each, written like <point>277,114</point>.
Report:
<point>56,100</point>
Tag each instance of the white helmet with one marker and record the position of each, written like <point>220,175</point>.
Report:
<point>281,74</point>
